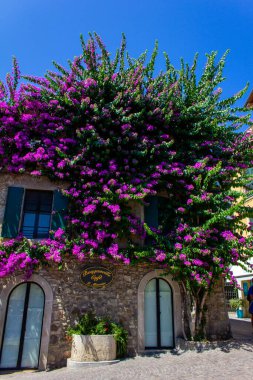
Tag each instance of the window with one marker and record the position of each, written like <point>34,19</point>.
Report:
<point>230,293</point>
<point>251,224</point>
<point>33,212</point>
<point>37,214</point>
<point>157,212</point>
<point>250,171</point>
<point>249,185</point>
<point>154,210</point>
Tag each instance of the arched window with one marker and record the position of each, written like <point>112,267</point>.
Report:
<point>23,327</point>
<point>158,314</point>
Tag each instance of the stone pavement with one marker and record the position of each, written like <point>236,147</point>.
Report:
<point>230,361</point>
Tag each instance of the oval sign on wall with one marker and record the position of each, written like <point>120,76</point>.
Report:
<point>96,277</point>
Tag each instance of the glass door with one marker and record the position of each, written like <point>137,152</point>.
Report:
<point>150,313</point>
<point>23,325</point>
<point>158,315</point>
<point>166,321</point>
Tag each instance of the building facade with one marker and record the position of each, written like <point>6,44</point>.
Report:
<point>36,312</point>
<point>244,278</point>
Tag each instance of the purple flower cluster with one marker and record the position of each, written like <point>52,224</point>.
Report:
<point>117,137</point>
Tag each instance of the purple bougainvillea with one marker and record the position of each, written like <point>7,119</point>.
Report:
<point>116,134</point>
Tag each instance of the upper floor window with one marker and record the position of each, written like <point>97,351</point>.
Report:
<point>37,214</point>
<point>157,214</point>
<point>251,224</point>
<point>249,185</point>
<point>33,213</point>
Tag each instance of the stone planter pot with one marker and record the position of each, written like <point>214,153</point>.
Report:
<point>88,348</point>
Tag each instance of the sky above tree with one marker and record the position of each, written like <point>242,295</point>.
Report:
<point>40,31</point>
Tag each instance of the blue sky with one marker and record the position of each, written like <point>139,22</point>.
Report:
<point>39,31</point>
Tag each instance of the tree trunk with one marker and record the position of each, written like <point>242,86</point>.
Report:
<point>194,320</point>
<point>199,320</point>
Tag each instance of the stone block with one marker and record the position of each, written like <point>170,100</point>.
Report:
<point>93,348</point>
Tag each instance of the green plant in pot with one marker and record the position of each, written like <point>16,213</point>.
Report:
<point>89,324</point>
<point>238,304</point>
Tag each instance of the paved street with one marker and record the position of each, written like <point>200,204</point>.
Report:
<point>231,361</point>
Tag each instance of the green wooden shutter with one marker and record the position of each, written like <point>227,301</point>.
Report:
<point>162,203</point>
<point>12,212</point>
<point>151,211</point>
<point>60,204</point>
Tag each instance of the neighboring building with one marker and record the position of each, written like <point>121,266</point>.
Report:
<point>243,277</point>
<point>249,102</point>
<point>35,313</point>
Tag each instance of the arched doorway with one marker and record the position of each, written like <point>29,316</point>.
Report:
<point>158,314</point>
<point>23,326</point>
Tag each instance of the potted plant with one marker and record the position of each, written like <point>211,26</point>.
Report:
<point>97,339</point>
<point>238,304</point>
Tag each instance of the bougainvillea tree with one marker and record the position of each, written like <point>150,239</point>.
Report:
<point>118,134</point>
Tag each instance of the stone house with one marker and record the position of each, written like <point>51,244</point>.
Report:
<point>35,313</point>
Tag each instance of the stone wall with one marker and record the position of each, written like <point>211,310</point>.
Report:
<point>217,326</point>
<point>118,300</point>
